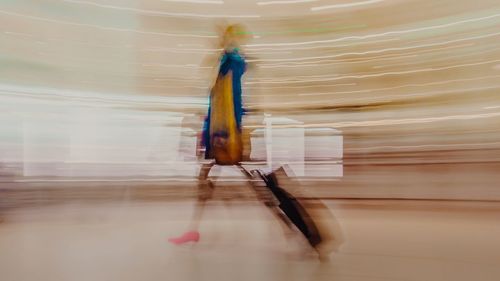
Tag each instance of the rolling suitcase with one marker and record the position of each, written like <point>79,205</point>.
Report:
<point>292,209</point>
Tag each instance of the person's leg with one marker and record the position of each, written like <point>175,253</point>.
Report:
<point>205,190</point>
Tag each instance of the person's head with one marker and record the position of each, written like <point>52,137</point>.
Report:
<point>234,35</point>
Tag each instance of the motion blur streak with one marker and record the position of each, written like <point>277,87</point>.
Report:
<point>385,115</point>
<point>347,5</point>
<point>157,13</point>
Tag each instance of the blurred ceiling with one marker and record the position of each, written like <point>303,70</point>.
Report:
<point>304,54</point>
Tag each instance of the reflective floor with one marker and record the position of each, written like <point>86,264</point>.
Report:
<point>384,240</point>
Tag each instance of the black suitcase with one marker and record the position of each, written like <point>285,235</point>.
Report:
<point>292,209</point>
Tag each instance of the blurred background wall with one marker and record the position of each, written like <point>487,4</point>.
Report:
<point>111,89</point>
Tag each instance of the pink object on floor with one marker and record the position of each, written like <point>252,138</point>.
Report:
<point>190,236</point>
